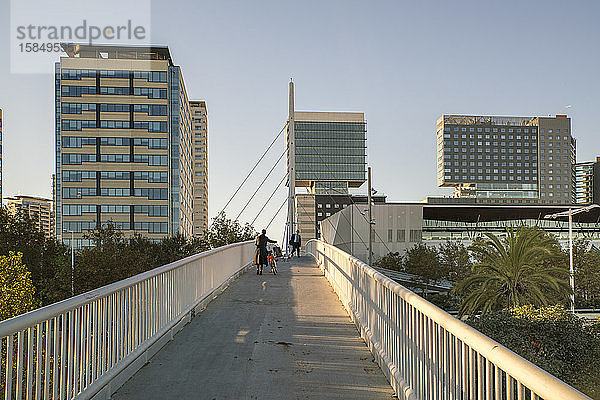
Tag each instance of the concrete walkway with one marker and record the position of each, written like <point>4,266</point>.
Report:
<point>266,337</point>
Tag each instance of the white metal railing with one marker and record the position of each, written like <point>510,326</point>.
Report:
<point>425,352</point>
<point>74,348</point>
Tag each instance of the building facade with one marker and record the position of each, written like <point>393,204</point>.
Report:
<point>37,209</point>
<point>200,191</point>
<point>507,160</point>
<point>313,209</point>
<point>587,184</point>
<point>399,226</point>
<point>330,151</point>
<point>124,142</point>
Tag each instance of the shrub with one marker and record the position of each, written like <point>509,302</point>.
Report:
<point>550,337</point>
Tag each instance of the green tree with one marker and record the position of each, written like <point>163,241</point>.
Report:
<point>53,275</point>
<point>423,261</point>
<point>102,263</point>
<point>114,257</point>
<point>46,259</point>
<point>512,271</point>
<point>587,275</point>
<point>17,293</point>
<point>224,231</point>
<point>178,247</point>
<point>392,261</point>
<point>455,260</point>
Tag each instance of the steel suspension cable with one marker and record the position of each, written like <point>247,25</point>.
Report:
<point>262,183</point>
<point>350,197</point>
<point>269,199</point>
<point>365,218</point>
<point>331,223</point>
<point>277,213</point>
<point>251,171</point>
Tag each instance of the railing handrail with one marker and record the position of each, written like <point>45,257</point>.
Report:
<point>541,382</point>
<point>39,315</point>
<point>88,345</point>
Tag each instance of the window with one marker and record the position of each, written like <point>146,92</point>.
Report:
<point>77,74</point>
<point>114,91</point>
<point>416,234</point>
<point>400,235</point>
<point>151,93</point>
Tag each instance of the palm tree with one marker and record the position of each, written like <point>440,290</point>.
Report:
<point>520,268</point>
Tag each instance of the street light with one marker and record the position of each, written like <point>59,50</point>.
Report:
<point>72,261</point>
<point>569,213</point>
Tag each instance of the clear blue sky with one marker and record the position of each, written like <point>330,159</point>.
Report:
<point>402,63</point>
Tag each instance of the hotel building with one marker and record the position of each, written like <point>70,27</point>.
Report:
<point>124,142</point>
<point>507,160</point>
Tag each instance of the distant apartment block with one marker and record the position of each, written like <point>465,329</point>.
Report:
<point>507,159</point>
<point>587,182</point>
<point>124,142</point>
<point>37,209</point>
<point>200,190</point>
<point>330,151</point>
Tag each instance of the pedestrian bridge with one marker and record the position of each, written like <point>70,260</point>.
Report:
<point>327,326</point>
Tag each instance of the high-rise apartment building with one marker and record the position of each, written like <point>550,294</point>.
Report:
<point>330,154</point>
<point>124,142</point>
<point>200,191</point>
<point>587,182</point>
<point>37,209</point>
<point>507,159</point>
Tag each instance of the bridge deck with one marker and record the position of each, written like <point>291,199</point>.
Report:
<point>265,337</point>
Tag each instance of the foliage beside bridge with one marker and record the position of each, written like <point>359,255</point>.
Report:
<point>44,265</point>
<point>552,338</point>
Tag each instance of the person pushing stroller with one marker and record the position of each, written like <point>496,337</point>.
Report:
<point>260,255</point>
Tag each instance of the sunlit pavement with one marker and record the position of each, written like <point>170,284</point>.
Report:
<point>282,336</point>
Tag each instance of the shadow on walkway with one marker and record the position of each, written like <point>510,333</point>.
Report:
<point>265,337</point>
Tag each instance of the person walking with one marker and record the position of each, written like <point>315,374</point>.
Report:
<point>260,255</point>
<point>296,241</point>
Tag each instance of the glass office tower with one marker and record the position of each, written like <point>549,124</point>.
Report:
<point>123,142</point>
<point>330,154</point>
<point>330,151</point>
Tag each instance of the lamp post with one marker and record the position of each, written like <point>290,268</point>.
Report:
<point>569,213</point>
<point>369,193</point>
<point>72,261</point>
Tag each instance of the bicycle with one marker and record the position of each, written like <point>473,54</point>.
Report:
<point>272,262</point>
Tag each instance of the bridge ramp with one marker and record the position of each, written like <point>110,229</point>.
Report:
<point>265,337</point>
